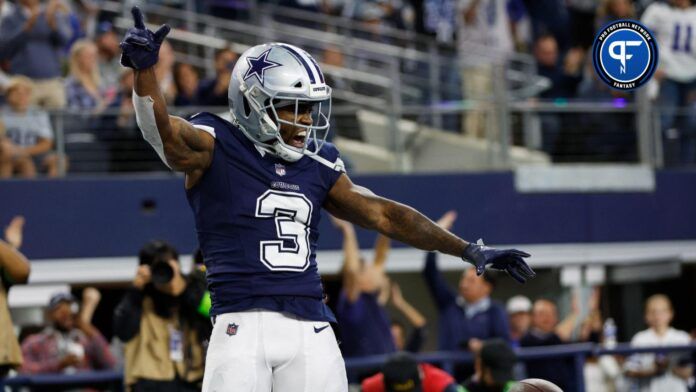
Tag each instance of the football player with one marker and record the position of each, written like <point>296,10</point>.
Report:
<point>256,186</point>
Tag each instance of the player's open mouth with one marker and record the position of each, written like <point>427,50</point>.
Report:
<point>298,140</point>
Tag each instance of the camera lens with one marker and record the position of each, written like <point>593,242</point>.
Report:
<point>162,272</point>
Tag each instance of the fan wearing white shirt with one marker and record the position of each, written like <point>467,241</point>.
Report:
<point>674,25</point>
<point>656,372</point>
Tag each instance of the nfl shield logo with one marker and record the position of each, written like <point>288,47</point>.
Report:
<point>280,169</point>
<point>232,329</point>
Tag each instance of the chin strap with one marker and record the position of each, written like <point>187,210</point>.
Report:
<point>339,166</point>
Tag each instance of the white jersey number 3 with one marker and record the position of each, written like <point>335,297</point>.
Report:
<point>291,212</point>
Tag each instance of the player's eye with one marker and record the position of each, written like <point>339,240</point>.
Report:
<point>305,108</point>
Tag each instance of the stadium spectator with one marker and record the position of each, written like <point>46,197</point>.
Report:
<point>403,373</point>
<point>494,368</point>
<point>564,78</point>
<point>657,372</point>
<point>84,17</point>
<point>213,91</point>
<point>70,342</point>
<point>5,153</point>
<point>163,321</point>
<point>29,134</point>
<point>672,24</point>
<point>564,84</point>
<point>611,10</point>
<point>591,327</point>
<point>363,298</point>
<point>549,17</point>
<point>14,269</point>
<point>347,124</point>
<point>582,22</point>
<point>519,310</point>
<point>468,316</point>
<point>164,69</point>
<point>122,105</point>
<point>119,130</point>
<point>485,24</point>
<point>416,339</point>
<point>186,79</point>
<point>6,8</point>
<point>436,18</point>
<point>229,9</point>
<point>547,331</point>
<point>333,56</point>
<point>373,15</point>
<point>109,55</point>
<point>83,86</point>
<point>31,39</point>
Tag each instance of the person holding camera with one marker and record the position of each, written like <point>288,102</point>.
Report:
<point>163,321</point>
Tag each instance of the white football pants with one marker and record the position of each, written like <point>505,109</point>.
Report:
<point>263,351</point>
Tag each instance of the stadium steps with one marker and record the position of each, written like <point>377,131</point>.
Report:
<point>429,149</point>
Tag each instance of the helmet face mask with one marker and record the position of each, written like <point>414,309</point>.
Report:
<point>277,77</point>
<point>316,131</point>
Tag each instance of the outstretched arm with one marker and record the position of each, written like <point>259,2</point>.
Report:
<point>398,221</point>
<point>178,142</point>
<point>439,288</point>
<point>395,220</point>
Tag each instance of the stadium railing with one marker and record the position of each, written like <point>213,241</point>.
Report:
<point>579,352</point>
<point>417,71</point>
<point>611,131</point>
<point>415,78</point>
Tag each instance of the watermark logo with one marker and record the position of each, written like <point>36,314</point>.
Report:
<point>625,54</point>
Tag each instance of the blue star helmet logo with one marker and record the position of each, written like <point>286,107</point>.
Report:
<point>259,65</point>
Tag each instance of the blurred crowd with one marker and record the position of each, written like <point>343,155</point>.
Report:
<point>470,320</point>
<point>64,55</point>
<point>58,55</point>
<point>162,323</point>
<point>559,35</point>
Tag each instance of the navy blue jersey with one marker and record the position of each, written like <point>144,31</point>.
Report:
<point>257,219</point>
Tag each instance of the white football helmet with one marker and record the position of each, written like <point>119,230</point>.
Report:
<point>275,75</point>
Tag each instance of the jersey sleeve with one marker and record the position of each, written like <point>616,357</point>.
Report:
<point>332,165</point>
<point>206,122</point>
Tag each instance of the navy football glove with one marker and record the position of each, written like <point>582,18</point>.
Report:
<point>140,47</point>
<point>509,260</point>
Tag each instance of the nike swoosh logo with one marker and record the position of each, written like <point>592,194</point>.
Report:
<point>317,330</point>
